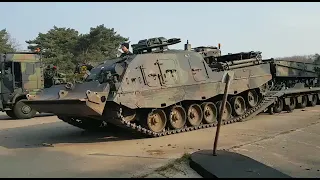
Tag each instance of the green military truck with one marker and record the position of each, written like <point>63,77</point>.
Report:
<point>22,73</point>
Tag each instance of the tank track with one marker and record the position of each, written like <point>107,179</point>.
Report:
<point>266,100</point>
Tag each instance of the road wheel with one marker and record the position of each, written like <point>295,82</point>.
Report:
<point>252,98</point>
<point>11,114</point>
<point>194,114</point>
<point>156,120</point>
<point>23,111</point>
<point>177,117</point>
<point>210,112</point>
<point>238,105</point>
<point>129,115</point>
<point>226,115</point>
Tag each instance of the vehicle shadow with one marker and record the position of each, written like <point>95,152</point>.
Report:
<point>46,135</point>
<point>231,165</point>
<point>4,117</point>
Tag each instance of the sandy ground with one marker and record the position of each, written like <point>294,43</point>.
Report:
<point>178,168</point>
<point>47,147</point>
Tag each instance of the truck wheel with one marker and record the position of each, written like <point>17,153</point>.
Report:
<point>11,114</point>
<point>23,111</point>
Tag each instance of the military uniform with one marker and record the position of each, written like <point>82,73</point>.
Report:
<point>126,54</point>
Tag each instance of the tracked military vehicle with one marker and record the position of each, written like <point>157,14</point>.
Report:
<point>158,91</point>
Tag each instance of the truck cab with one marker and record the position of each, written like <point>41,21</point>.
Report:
<point>21,73</point>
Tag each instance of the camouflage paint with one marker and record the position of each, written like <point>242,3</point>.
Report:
<point>153,80</point>
<point>31,69</point>
<point>32,80</point>
<point>32,75</point>
<point>294,69</point>
<point>28,57</point>
<point>156,82</point>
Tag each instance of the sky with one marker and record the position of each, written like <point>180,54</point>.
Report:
<point>275,29</point>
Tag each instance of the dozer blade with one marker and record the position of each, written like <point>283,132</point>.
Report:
<point>87,99</point>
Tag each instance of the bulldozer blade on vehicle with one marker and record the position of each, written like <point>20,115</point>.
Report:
<point>72,99</point>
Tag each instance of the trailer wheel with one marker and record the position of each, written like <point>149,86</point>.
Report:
<point>304,102</point>
<point>278,106</point>
<point>23,111</point>
<point>290,107</point>
<point>11,114</point>
<point>314,100</point>
<point>270,110</point>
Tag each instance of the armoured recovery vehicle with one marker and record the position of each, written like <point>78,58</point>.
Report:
<point>158,91</point>
<point>22,74</point>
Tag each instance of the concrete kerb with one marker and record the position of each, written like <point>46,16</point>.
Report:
<point>229,164</point>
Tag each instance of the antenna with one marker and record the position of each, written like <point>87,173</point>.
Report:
<point>187,47</point>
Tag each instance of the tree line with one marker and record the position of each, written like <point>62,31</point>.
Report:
<point>7,43</point>
<point>66,47</point>
<point>315,58</point>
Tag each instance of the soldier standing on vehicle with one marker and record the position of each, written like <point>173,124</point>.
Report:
<point>125,49</point>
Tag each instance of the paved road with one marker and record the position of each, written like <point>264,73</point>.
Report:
<point>47,147</point>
